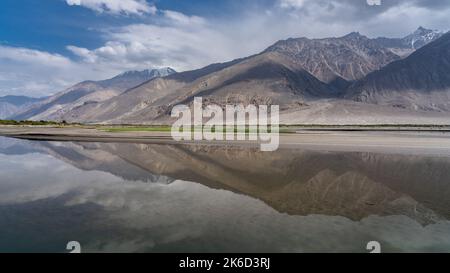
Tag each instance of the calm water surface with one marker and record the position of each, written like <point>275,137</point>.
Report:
<point>165,198</point>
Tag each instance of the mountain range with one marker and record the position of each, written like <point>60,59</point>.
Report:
<point>10,105</point>
<point>56,106</point>
<point>349,79</point>
<point>406,45</point>
<point>420,81</point>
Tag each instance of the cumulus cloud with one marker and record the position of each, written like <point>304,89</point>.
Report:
<point>38,73</point>
<point>115,6</point>
<point>187,42</point>
<point>180,18</point>
<point>180,41</point>
<point>292,3</point>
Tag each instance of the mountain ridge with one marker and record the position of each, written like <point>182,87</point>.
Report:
<point>301,75</point>
<point>420,81</point>
<point>346,58</point>
<point>87,92</point>
<point>10,104</point>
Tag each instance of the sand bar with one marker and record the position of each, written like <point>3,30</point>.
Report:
<point>410,142</point>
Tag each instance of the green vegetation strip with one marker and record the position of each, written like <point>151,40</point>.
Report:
<point>282,129</point>
<point>169,128</point>
<point>33,122</point>
<point>137,129</point>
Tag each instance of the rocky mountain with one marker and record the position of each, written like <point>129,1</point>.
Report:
<point>336,60</point>
<point>421,37</point>
<point>10,105</point>
<point>421,81</point>
<point>301,75</point>
<point>408,44</point>
<point>133,78</point>
<point>267,78</point>
<point>350,79</point>
<point>54,107</point>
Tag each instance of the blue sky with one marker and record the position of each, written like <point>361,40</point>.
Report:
<point>51,25</point>
<point>48,45</point>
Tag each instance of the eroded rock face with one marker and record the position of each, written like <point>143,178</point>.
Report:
<point>333,60</point>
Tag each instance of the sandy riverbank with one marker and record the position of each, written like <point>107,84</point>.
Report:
<point>411,142</point>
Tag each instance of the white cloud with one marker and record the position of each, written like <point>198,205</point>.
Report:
<point>26,56</point>
<point>292,3</point>
<point>179,41</point>
<point>184,42</point>
<point>180,18</point>
<point>187,42</point>
<point>115,6</point>
<point>37,73</point>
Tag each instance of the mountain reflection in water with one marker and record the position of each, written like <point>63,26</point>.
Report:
<point>240,199</point>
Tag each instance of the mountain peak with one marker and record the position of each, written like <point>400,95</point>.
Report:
<point>421,28</point>
<point>152,73</point>
<point>324,59</point>
<point>354,34</point>
<point>421,37</point>
<point>90,91</point>
<point>423,73</point>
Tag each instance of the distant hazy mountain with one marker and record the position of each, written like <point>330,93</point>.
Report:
<point>7,110</point>
<point>408,44</point>
<point>54,107</point>
<point>19,100</point>
<point>10,105</point>
<point>421,81</point>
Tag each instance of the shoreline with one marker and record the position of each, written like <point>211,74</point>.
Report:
<point>392,142</point>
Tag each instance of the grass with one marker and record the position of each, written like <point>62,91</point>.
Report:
<point>160,128</point>
<point>34,123</point>
<point>365,125</point>
<point>285,129</point>
<point>137,129</point>
<point>168,128</point>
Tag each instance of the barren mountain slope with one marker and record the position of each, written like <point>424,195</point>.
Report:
<point>54,107</point>
<point>269,78</point>
<point>336,60</point>
<point>421,81</point>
